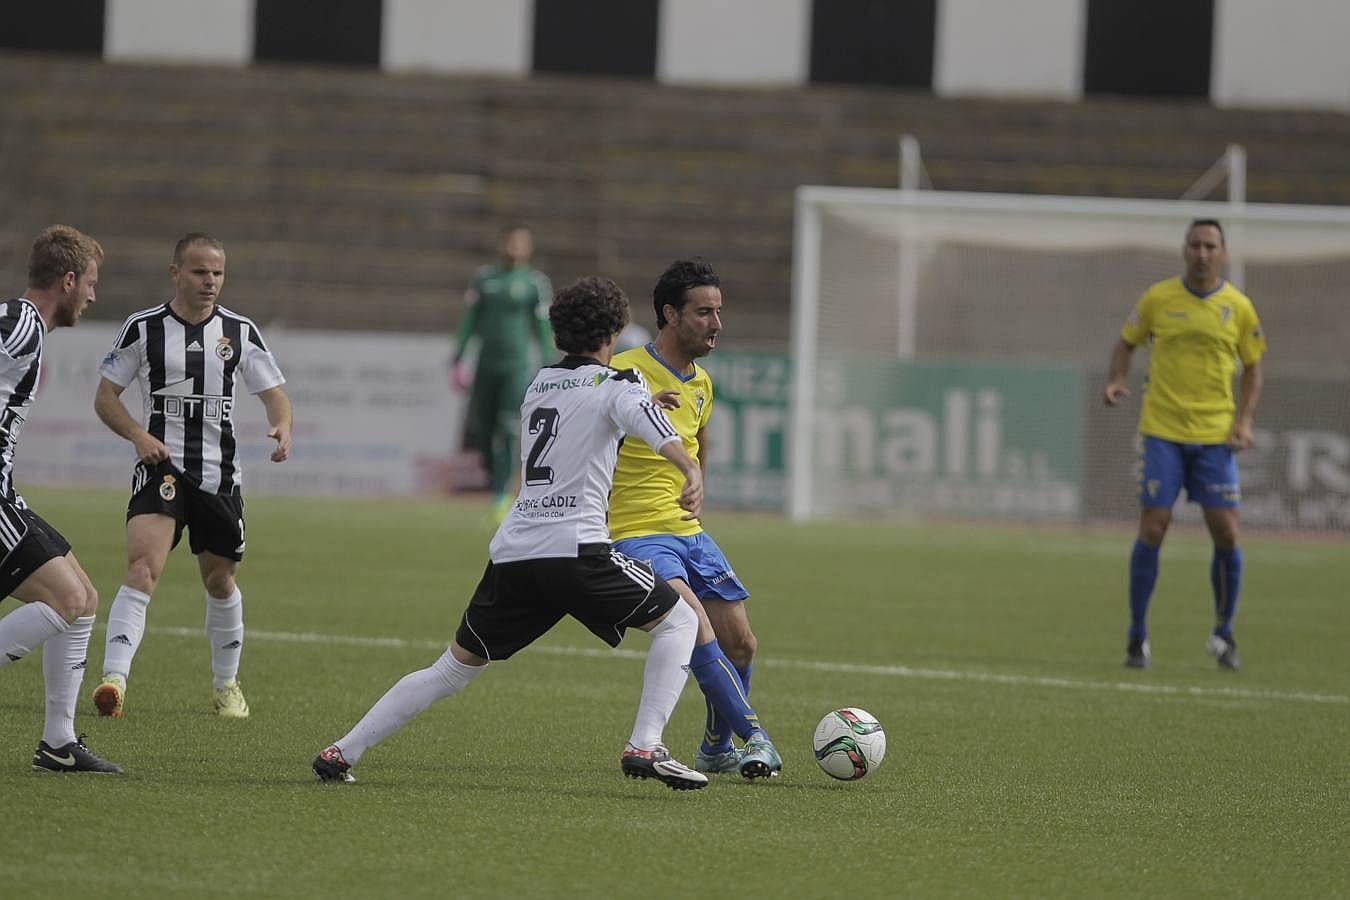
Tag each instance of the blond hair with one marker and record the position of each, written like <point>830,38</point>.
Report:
<point>60,249</point>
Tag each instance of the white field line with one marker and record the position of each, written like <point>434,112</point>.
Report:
<point>1125,687</point>
<point>1048,545</point>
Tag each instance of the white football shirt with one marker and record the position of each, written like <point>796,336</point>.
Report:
<point>187,375</point>
<point>574,415</point>
<point>21,339</point>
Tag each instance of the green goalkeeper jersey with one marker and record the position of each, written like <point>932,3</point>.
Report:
<point>507,309</point>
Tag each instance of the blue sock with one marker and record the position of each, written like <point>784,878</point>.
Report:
<point>721,685</point>
<point>1225,574</point>
<point>716,731</point>
<point>1143,576</point>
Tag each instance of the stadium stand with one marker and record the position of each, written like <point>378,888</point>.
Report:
<point>354,199</point>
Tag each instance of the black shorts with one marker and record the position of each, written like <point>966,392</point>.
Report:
<point>215,522</point>
<point>28,542</point>
<point>517,602</point>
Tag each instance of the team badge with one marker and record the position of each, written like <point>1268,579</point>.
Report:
<point>167,490</point>
<point>1225,312</point>
<point>698,404</point>
<point>224,350</point>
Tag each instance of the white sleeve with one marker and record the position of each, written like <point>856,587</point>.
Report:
<point>258,367</point>
<point>634,412</point>
<point>123,362</point>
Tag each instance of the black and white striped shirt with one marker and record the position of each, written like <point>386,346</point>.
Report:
<point>22,333</point>
<point>187,375</point>
<point>574,415</point>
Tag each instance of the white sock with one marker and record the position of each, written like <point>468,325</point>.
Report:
<point>413,693</point>
<point>126,627</point>
<point>26,628</point>
<point>63,659</point>
<point>225,629</point>
<point>664,675</point>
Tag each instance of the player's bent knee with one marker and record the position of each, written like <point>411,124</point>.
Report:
<point>69,604</point>
<point>740,649</point>
<point>1153,526</point>
<point>220,588</point>
<point>680,619</point>
<point>90,600</point>
<point>142,576</point>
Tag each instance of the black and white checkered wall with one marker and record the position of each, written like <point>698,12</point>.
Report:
<point>1232,52</point>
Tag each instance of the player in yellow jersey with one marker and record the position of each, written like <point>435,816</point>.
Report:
<point>646,521</point>
<point>1198,326</point>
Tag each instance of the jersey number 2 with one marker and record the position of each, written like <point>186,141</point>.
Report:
<point>544,426</point>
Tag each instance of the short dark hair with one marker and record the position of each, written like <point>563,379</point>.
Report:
<point>587,313</point>
<point>194,237</point>
<point>1201,223</point>
<point>678,278</point>
<point>60,249</point>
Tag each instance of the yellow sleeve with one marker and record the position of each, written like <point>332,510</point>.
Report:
<point>1139,323</point>
<point>1252,340</point>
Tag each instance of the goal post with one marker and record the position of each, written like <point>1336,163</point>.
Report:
<point>948,350</point>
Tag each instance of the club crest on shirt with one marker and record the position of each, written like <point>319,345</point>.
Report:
<point>699,399</point>
<point>223,349</point>
<point>1225,313</point>
<point>167,489</point>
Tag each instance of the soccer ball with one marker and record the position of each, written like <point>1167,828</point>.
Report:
<point>849,743</point>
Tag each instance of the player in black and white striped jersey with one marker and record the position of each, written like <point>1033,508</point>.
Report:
<point>551,556</point>
<point>187,356</point>
<point>37,566</point>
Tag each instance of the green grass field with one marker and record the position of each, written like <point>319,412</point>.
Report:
<point>1023,760</point>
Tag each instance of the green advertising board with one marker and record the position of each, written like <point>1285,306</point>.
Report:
<point>747,436</point>
<point>896,437</point>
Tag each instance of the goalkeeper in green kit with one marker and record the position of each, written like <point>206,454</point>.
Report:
<point>506,308</point>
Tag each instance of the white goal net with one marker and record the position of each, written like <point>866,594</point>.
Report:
<point>949,351</point>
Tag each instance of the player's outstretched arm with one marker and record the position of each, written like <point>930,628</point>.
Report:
<point>108,406</point>
<point>278,407</point>
<point>1116,389</point>
<point>691,497</point>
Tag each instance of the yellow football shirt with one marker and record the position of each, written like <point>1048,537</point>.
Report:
<point>645,498</point>
<point>1195,343</point>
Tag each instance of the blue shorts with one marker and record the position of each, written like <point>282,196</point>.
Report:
<point>1207,471</point>
<point>694,558</point>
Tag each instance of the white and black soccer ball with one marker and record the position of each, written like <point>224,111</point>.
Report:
<point>849,742</point>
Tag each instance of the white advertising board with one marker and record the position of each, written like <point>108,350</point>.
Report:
<point>374,414</point>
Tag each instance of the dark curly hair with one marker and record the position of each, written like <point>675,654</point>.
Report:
<point>677,279</point>
<point>586,314</point>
